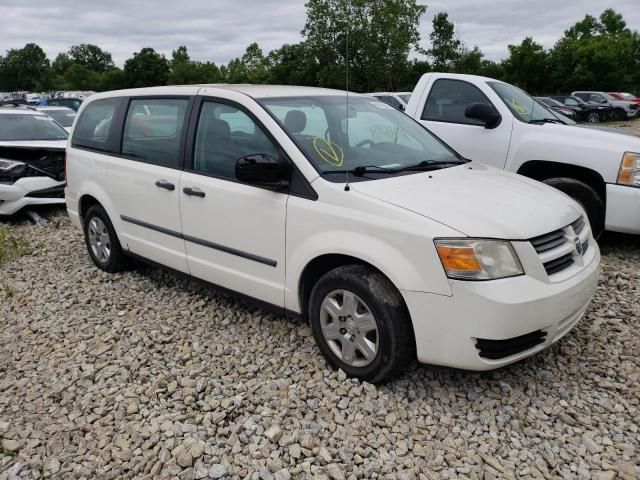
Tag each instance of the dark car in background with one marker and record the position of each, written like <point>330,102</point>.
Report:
<point>590,112</point>
<point>556,106</point>
<point>73,103</point>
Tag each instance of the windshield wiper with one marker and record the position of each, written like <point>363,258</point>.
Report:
<point>547,120</point>
<point>425,165</point>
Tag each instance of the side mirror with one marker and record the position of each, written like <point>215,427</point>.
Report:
<point>484,113</point>
<point>264,171</point>
<point>401,107</point>
<point>604,100</point>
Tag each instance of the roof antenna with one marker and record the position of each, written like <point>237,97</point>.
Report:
<point>346,185</point>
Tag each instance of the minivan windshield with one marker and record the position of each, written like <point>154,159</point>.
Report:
<point>25,126</point>
<point>369,137</point>
<point>522,105</point>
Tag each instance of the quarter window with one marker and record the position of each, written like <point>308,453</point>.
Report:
<point>571,101</point>
<point>448,100</point>
<point>93,128</point>
<point>153,130</point>
<point>225,134</point>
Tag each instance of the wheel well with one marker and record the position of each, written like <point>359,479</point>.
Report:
<point>86,202</point>
<point>316,268</point>
<point>543,170</point>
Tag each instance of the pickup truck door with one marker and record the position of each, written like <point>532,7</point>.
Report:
<point>441,109</point>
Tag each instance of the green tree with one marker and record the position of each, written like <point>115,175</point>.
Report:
<point>527,66</point>
<point>255,64</point>
<point>381,34</point>
<point>91,57</point>
<point>292,65</point>
<point>25,68</point>
<point>146,68</point>
<point>445,46</point>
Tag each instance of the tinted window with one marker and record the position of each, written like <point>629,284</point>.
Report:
<point>225,134</point>
<point>93,128</point>
<point>19,126</point>
<point>448,100</point>
<point>405,97</point>
<point>153,130</point>
<point>571,101</point>
<point>390,101</point>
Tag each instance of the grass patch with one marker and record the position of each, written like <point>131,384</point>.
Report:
<point>11,245</point>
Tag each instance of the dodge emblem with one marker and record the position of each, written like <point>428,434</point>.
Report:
<point>578,244</point>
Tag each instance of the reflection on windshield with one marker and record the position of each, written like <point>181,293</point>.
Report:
<point>523,105</point>
<point>370,134</point>
<point>18,126</point>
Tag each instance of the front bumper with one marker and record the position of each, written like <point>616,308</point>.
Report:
<point>447,328</point>
<point>30,191</point>
<point>623,209</point>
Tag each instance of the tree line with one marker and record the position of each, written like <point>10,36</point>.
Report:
<point>380,42</point>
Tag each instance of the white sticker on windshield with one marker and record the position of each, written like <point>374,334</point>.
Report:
<point>381,105</point>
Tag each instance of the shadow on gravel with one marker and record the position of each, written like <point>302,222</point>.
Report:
<point>620,244</point>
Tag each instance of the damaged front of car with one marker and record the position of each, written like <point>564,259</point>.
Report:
<point>32,150</point>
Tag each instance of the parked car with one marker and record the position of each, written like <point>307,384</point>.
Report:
<point>32,148</point>
<point>498,124</point>
<point>590,112</point>
<point>63,115</point>
<point>390,243</point>
<point>73,103</point>
<point>397,100</point>
<point>556,106</point>
<point>622,109</point>
<point>625,96</point>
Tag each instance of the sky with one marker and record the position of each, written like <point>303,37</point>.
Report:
<point>219,30</point>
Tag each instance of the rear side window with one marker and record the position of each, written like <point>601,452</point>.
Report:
<point>153,130</point>
<point>93,129</point>
<point>448,99</point>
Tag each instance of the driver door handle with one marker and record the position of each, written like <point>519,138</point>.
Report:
<point>194,192</point>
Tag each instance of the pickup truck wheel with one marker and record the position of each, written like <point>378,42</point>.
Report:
<point>102,242</point>
<point>360,323</point>
<point>586,196</point>
<point>593,117</point>
<point>619,114</point>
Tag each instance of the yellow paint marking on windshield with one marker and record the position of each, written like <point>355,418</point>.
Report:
<point>518,107</point>
<point>328,151</point>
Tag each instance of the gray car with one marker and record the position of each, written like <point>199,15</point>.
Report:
<point>622,109</point>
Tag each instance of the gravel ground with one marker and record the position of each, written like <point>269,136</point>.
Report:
<point>149,375</point>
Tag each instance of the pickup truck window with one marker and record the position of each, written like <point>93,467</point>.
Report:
<point>448,100</point>
<point>372,134</point>
<point>523,106</point>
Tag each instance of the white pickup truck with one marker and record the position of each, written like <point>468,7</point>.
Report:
<point>498,124</point>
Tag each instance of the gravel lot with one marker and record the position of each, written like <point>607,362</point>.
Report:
<point>148,375</point>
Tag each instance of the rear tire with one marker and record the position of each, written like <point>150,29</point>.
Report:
<point>102,242</point>
<point>587,197</point>
<point>368,333</point>
<point>619,114</point>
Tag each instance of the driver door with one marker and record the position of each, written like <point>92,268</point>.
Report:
<point>234,233</point>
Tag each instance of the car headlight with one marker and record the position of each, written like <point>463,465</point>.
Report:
<point>629,173</point>
<point>475,259</point>
<point>8,165</point>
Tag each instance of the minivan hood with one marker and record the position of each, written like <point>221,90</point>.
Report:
<point>478,201</point>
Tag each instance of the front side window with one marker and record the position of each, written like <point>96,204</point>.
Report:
<point>93,129</point>
<point>24,126</point>
<point>153,130</point>
<point>368,133</point>
<point>448,100</point>
<point>225,134</point>
<point>596,97</point>
<point>571,102</point>
<point>388,99</point>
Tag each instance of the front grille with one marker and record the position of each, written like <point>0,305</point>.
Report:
<point>557,250</point>
<point>497,349</point>
<point>53,192</point>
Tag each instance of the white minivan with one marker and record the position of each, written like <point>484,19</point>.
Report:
<point>340,210</point>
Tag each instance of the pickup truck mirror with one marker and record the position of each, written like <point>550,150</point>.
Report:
<point>264,171</point>
<point>484,113</point>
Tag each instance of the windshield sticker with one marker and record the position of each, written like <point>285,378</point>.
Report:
<point>518,107</point>
<point>381,105</point>
<point>328,151</point>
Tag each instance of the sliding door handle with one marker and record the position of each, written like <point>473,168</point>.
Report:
<point>194,192</point>
<point>166,185</point>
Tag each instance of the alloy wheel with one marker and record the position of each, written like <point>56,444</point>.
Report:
<point>99,240</point>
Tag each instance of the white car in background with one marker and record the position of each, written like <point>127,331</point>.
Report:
<point>32,146</point>
<point>355,217</point>
<point>398,100</point>
<point>63,115</point>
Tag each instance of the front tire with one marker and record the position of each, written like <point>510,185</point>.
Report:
<point>619,114</point>
<point>361,324</point>
<point>102,242</point>
<point>587,197</point>
<point>593,117</point>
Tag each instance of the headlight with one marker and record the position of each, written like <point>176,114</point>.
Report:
<point>8,165</point>
<point>629,173</point>
<point>469,259</point>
